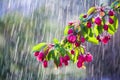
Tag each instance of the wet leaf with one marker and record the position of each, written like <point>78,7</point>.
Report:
<point>91,10</point>
<point>38,47</point>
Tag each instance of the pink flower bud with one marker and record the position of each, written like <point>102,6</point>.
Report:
<point>98,38</point>
<point>111,13</point>
<point>105,27</point>
<point>77,44</point>
<point>105,39</point>
<point>98,21</point>
<point>60,64</point>
<point>79,64</point>
<point>81,58</point>
<point>61,59</point>
<point>89,24</point>
<point>72,52</point>
<point>36,53</point>
<point>45,64</point>
<point>66,58</point>
<point>84,16</point>
<point>111,21</point>
<point>40,57</point>
<point>71,38</point>
<point>66,63</point>
<point>70,23</point>
<point>88,57</point>
<point>70,31</point>
<point>82,39</point>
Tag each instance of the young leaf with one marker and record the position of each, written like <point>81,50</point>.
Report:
<point>82,50</point>
<point>84,30</point>
<point>62,51</point>
<point>96,32</point>
<point>116,24</point>
<point>56,41</point>
<point>66,30</point>
<point>92,40</point>
<point>51,55</point>
<point>38,47</point>
<point>110,31</point>
<point>91,10</point>
<point>56,61</point>
<point>76,55</point>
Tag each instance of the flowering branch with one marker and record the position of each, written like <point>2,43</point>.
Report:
<point>97,26</point>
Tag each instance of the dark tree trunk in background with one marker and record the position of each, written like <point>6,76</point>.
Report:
<point>106,63</point>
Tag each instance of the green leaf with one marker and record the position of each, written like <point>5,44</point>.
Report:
<point>81,16</point>
<point>76,55</point>
<point>56,41</point>
<point>82,50</point>
<point>51,55</point>
<point>84,30</point>
<point>69,54</point>
<point>100,29</point>
<point>38,47</point>
<point>96,32</point>
<point>66,30</point>
<point>56,61</point>
<point>110,31</point>
<point>62,51</point>
<point>90,32</point>
<point>116,24</point>
<point>93,40</point>
<point>91,10</point>
<point>113,27</point>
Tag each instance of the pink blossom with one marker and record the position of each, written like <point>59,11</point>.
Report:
<point>111,21</point>
<point>71,38</point>
<point>70,31</point>
<point>36,53</point>
<point>40,57</point>
<point>98,21</point>
<point>79,64</point>
<point>45,64</point>
<point>88,57</point>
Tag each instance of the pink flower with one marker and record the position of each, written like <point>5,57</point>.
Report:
<point>45,64</point>
<point>84,16</point>
<point>98,21</point>
<point>66,63</point>
<point>60,64</point>
<point>105,27</point>
<point>82,39</point>
<point>70,23</point>
<point>61,59</point>
<point>40,57</point>
<point>111,13</point>
<point>72,52</point>
<point>106,39</point>
<point>111,21</point>
<point>66,58</point>
<point>77,44</point>
<point>71,38</point>
<point>79,64</point>
<point>98,38</point>
<point>70,31</point>
<point>89,24</point>
<point>81,58</point>
<point>88,57</point>
<point>36,53</point>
